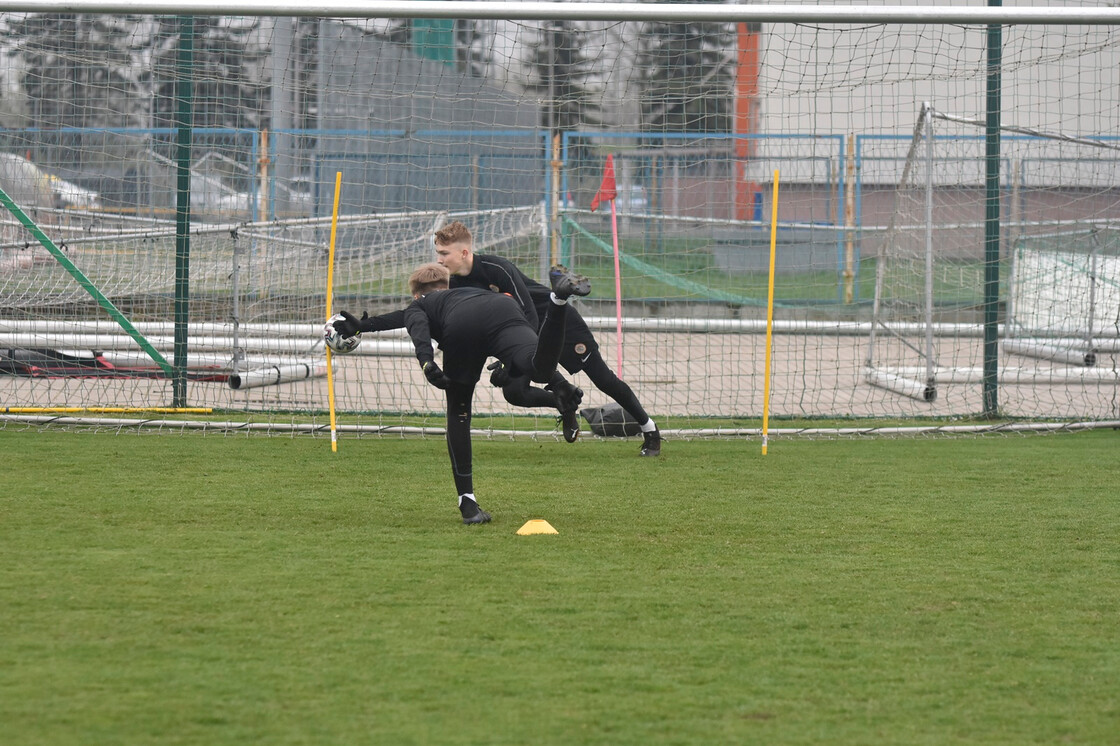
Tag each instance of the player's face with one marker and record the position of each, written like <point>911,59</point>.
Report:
<point>454,257</point>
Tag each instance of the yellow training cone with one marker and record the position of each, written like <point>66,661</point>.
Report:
<point>536,526</point>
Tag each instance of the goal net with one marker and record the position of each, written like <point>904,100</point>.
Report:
<point>506,125</point>
<point>258,293</point>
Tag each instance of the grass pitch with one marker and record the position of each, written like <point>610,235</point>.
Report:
<point>185,589</point>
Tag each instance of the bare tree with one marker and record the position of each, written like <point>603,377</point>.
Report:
<point>688,76</point>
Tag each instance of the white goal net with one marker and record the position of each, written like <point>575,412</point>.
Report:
<point>506,123</point>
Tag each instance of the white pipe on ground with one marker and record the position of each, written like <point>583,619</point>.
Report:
<point>892,381</point>
<point>303,347</point>
<point>1017,376</point>
<point>275,374</point>
<point>1047,351</point>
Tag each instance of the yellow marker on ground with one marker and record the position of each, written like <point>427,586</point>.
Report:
<point>536,526</point>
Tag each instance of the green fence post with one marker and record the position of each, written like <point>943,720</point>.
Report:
<point>991,223</point>
<point>183,116</point>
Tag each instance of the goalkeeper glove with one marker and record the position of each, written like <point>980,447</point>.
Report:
<point>500,377</point>
<point>435,376</point>
<point>349,325</point>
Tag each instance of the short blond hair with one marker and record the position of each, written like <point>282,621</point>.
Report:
<point>452,233</point>
<point>428,277</point>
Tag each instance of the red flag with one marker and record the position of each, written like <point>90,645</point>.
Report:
<point>607,190</point>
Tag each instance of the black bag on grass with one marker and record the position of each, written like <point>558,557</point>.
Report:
<point>611,420</point>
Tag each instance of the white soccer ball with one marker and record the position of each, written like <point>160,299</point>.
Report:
<point>336,341</point>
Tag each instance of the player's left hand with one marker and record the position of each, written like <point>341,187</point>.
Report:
<point>349,325</point>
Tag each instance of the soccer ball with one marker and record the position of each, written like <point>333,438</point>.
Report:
<point>336,341</point>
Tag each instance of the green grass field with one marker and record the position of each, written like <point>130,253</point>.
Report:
<point>186,589</point>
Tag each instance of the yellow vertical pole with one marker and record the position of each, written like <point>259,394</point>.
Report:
<point>330,295</point>
<point>770,316</point>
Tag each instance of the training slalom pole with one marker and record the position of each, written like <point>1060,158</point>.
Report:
<point>330,295</point>
<point>617,285</point>
<point>769,316</point>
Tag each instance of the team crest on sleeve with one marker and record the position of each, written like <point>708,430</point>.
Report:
<point>494,289</point>
<point>580,348</point>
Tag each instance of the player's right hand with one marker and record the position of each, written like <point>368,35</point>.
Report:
<point>500,376</point>
<point>435,376</point>
<point>348,325</point>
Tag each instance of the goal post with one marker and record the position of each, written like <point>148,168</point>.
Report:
<point>904,273</point>
<point>1060,307</point>
<point>501,115</point>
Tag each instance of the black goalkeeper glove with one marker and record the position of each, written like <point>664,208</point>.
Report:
<point>500,377</point>
<point>435,376</point>
<point>349,325</point>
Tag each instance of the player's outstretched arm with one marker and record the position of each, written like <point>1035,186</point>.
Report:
<point>349,325</point>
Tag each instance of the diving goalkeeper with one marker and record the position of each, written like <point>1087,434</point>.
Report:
<point>470,325</point>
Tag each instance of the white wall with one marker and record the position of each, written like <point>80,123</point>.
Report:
<point>873,79</point>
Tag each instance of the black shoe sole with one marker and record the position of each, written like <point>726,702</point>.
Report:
<point>566,283</point>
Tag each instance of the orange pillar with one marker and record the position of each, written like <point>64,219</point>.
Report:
<point>746,117</point>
